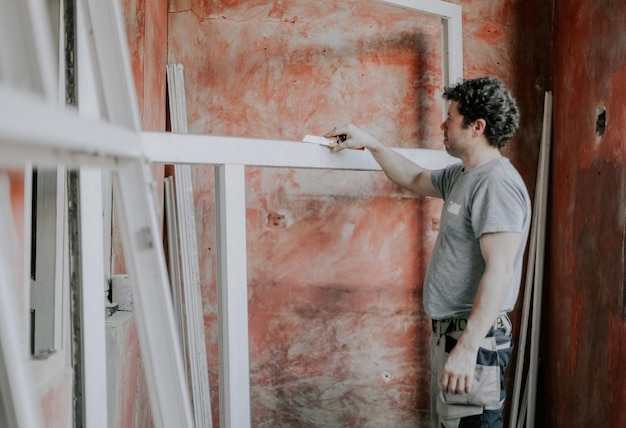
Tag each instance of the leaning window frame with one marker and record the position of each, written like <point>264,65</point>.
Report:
<point>45,203</point>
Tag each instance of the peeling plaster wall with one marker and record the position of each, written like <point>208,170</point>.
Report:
<point>582,368</point>
<point>336,259</point>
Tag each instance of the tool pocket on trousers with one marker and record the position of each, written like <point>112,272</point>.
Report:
<point>488,382</point>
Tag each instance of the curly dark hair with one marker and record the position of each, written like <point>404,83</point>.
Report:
<point>486,98</point>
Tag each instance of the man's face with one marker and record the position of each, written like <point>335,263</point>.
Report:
<point>455,136</point>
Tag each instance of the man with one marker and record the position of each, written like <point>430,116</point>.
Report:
<point>473,277</point>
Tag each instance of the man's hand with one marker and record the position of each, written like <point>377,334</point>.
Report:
<point>350,137</point>
<point>458,371</point>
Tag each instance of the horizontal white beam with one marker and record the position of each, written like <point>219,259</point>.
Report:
<point>32,129</point>
<point>172,148</point>
<point>441,9</point>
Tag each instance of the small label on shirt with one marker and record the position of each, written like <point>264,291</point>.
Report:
<point>454,208</point>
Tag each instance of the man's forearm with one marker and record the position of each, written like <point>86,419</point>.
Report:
<point>485,310</point>
<point>396,167</point>
<point>499,250</point>
<point>458,370</point>
<point>402,171</point>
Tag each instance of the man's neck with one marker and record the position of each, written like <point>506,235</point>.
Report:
<point>480,156</point>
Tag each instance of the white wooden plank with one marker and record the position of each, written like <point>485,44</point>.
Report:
<point>205,149</point>
<point>173,252</point>
<point>158,338</point>
<point>161,350</point>
<point>176,280</point>
<point>106,25</point>
<point>89,95</point>
<point>452,49</point>
<point>91,200</point>
<point>232,297</point>
<point>195,344</point>
<point>93,300</point>
<point>176,96</point>
<point>194,319</point>
<point>174,243</point>
<point>57,136</point>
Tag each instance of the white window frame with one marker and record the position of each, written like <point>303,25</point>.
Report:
<point>61,137</point>
<point>451,37</point>
<point>230,155</point>
<point>48,294</point>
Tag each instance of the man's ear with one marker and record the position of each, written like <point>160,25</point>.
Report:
<point>478,127</point>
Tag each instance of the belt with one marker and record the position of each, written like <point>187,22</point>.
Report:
<point>502,322</point>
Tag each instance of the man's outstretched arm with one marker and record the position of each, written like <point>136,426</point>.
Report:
<point>396,167</point>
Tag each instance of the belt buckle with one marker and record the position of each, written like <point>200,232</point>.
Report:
<point>501,323</point>
<point>442,327</point>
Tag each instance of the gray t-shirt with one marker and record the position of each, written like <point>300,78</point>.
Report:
<point>487,199</point>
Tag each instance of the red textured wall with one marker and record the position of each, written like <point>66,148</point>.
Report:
<point>583,373</point>
<point>56,403</point>
<point>336,259</point>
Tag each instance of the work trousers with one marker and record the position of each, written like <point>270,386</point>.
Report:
<point>484,404</point>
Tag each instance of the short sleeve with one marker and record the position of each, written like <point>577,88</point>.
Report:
<point>498,206</point>
<point>443,179</point>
